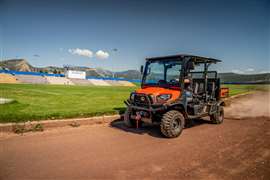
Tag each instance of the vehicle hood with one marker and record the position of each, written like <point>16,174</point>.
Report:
<point>158,91</point>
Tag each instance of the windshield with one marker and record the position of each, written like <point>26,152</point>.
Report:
<point>162,73</point>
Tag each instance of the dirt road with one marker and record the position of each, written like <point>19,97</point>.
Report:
<point>237,149</point>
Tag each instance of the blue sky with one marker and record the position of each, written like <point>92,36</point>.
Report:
<point>72,32</point>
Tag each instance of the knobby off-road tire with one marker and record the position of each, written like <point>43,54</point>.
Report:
<point>172,124</point>
<point>218,117</point>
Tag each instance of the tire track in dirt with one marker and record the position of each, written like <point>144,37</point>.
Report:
<point>256,105</point>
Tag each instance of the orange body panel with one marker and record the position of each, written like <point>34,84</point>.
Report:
<point>224,92</point>
<point>158,91</point>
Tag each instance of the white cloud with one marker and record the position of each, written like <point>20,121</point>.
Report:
<point>250,70</point>
<point>237,71</point>
<point>263,72</point>
<point>102,54</point>
<point>81,52</point>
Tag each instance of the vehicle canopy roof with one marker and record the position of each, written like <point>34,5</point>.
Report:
<point>181,57</point>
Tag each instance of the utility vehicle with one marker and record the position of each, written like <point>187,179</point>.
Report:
<point>174,90</point>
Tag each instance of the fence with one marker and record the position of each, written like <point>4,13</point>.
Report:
<point>114,79</point>
<point>30,73</point>
<point>62,75</point>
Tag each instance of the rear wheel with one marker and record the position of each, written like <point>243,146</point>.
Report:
<point>218,117</point>
<point>172,124</point>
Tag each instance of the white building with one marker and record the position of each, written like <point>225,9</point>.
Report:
<point>75,74</point>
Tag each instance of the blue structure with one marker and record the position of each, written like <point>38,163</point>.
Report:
<point>62,75</point>
<point>114,79</point>
<point>98,78</point>
<point>30,73</point>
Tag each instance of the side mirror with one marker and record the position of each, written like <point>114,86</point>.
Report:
<point>141,69</point>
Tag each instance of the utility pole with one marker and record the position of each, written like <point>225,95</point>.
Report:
<point>113,73</point>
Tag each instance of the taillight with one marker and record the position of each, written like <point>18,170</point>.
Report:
<point>224,92</point>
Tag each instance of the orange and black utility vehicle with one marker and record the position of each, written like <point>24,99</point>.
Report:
<point>174,90</point>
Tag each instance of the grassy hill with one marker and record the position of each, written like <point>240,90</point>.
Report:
<point>18,65</point>
<point>23,65</point>
<point>245,78</point>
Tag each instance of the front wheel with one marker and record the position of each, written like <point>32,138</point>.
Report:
<point>172,124</point>
<point>218,117</point>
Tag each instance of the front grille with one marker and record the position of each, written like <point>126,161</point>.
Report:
<point>142,99</point>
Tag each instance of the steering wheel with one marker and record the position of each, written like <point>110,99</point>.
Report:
<point>173,81</point>
<point>162,82</point>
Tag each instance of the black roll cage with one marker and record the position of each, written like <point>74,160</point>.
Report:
<point>185,59</point>
<point>186,62</point>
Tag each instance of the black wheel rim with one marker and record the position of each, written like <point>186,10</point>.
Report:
<point>176,124</point>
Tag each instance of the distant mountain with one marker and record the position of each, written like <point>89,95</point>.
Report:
<point>245,78</point>
<point>225,77</point>
<point>103,72</point>
<point>23,65</point>
<point>17,65</point>
<point>129,74</point>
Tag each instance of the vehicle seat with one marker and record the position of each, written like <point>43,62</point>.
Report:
<point>196,88</point>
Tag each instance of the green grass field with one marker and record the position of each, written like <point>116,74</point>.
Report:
<point>240,89</point>
<point>36,102</point>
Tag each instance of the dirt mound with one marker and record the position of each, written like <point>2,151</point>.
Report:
<point>251,106</point>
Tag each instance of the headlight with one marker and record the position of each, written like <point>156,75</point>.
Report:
<point>132,96</point>
<point>152,97</point>
<point>163,97</point>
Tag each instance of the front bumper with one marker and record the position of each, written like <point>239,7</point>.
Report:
<point>144,102</point>
<point>149,107</point>
<point>143,113</point>
<point>143,107</point>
